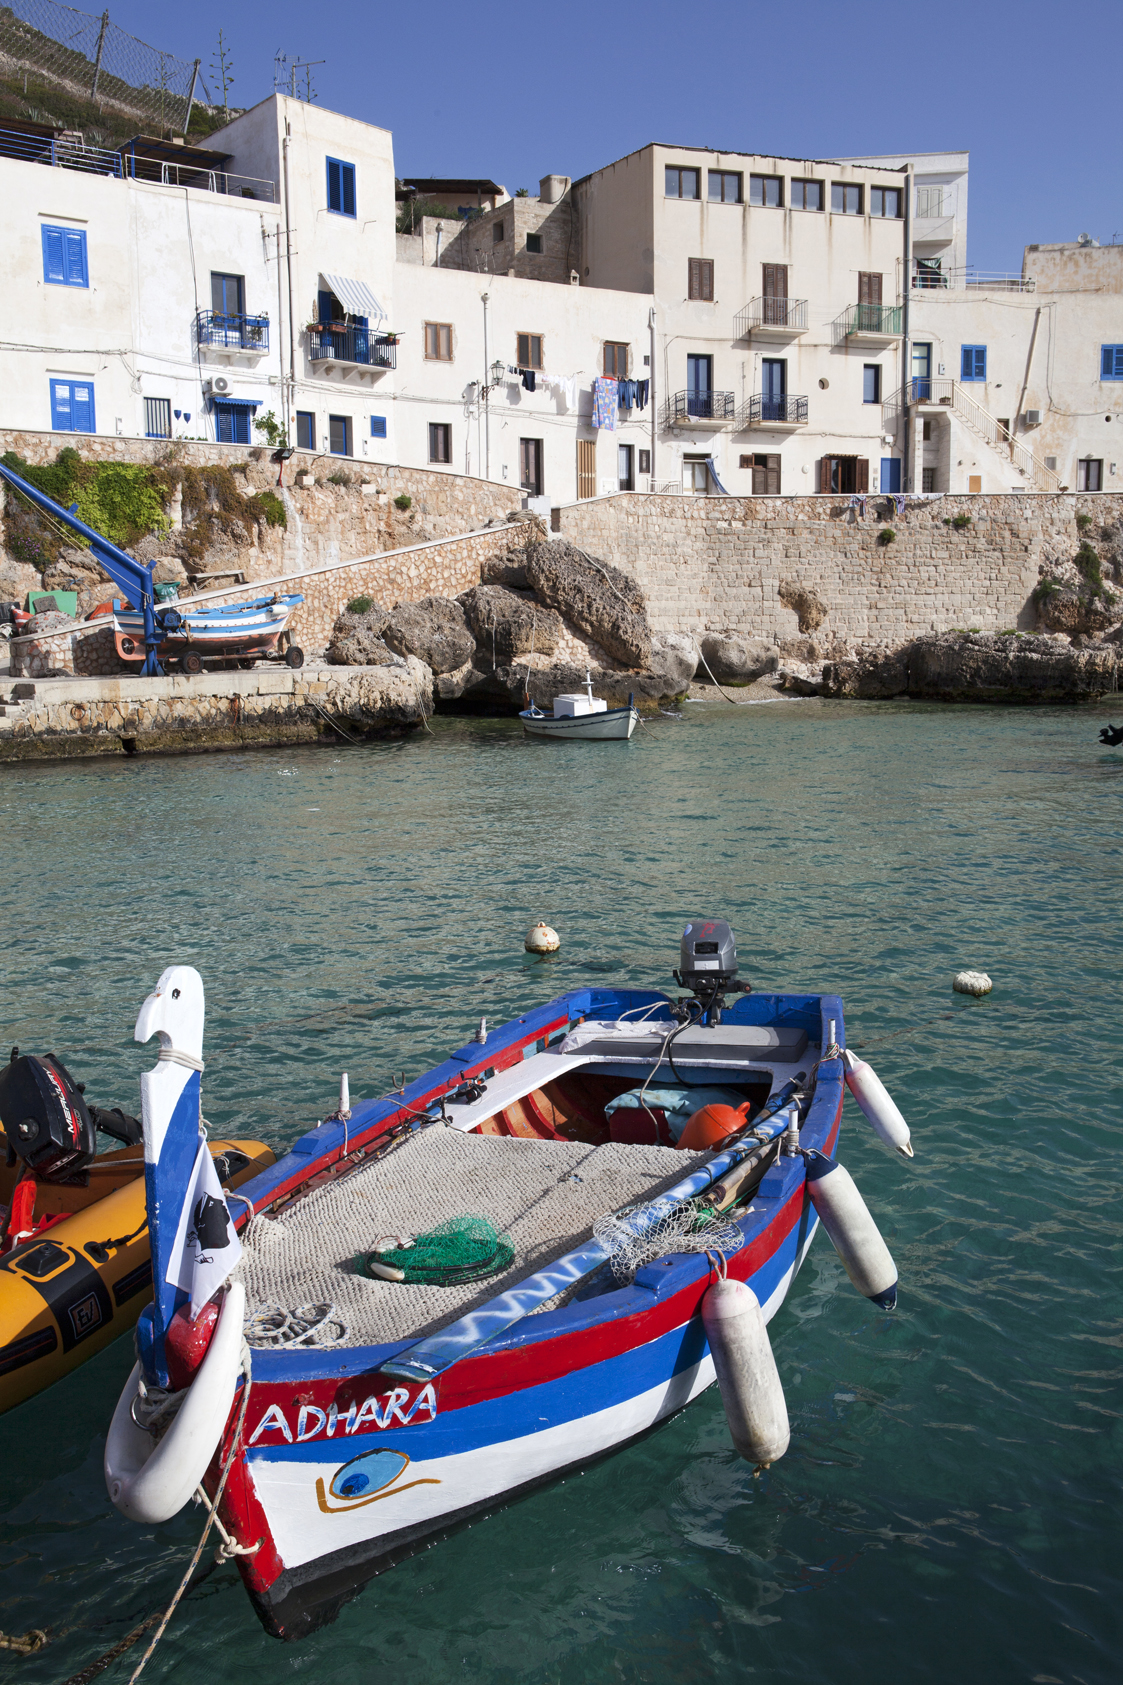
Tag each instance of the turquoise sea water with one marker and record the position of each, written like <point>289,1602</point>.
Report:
<point>949,1508</point>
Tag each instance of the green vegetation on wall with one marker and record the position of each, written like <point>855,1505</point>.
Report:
<point>124,501</point>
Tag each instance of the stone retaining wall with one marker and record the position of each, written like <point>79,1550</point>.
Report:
<point>715,563</point>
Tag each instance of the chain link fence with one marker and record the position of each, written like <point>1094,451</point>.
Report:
<point>90,58</point>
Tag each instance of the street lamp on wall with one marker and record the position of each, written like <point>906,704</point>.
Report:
<point>496,372</point>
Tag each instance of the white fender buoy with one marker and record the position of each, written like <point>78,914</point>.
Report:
<point>856,1237</point>
<point>540,939</point>
<point>750,1385</point>
<point>150,1480</point>
<point>971,983</point>
<point>877,1103</point>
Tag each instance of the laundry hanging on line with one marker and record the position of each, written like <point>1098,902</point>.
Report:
<point>605,403</point>
<point>858,502</point>
<point>632,394</point>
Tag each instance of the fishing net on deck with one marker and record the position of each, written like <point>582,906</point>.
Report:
<point>465,1248</point>
<point>631,1239</point>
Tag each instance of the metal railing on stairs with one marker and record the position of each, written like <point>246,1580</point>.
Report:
<point>950,394</point>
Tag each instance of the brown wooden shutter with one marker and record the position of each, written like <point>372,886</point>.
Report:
<point>775,280</point>
<point>772,476</point>
<point>694,279</point>
<point>869,288</point>
<point>586,467</point>
<point>824,473</point>
<point>701,278</point>
<point>707,279</point>
<point>760,477</point>
<point>862,473</point>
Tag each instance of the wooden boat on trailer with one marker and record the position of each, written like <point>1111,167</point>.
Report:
<point>195,633</point>
<point>382,1412</point>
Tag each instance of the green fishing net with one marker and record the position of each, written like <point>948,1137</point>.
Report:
<point>465,1248</point>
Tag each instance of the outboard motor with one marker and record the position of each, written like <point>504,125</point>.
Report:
<point>45,1117</point>
<point>708,964</point>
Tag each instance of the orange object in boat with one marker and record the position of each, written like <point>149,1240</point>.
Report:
<point>711,1124</point>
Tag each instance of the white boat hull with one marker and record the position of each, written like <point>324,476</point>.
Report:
<point>613,725</point>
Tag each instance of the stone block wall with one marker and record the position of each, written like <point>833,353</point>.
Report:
<point>716,563</point>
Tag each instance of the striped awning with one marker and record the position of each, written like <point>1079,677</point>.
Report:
<point>356,297</point>
<point>220,402</point>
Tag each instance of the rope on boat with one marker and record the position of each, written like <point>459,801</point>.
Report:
<point>272,1325</point>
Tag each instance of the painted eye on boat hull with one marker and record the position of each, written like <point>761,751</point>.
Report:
<point>367,1474</point>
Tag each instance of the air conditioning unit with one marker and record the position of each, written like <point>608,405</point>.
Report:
<point>219,384</point>
<point>1032,418</point>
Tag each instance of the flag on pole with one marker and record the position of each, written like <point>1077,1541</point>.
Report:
<point>206,1245</point>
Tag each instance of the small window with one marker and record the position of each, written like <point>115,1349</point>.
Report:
<point>231,423</point>
<point>973,362</point>
<point>228,294</point>
<point>438,341</point>
<point>1111,362</point>
<point>1051,463</point>
<point>682,184</point>
<point>530,350</point>
<point>534,243</point>
<point>378,426</point>
<point>339,435</point>
<point>871,383</point>
<point>615,359</point>
<point>807,195</point>
<point>926,424</point>
<point>766,190</point>
<point>928,479</point>
<point>305,430</point>
<point>929,201</point>
<point>885,201</point>
<point>1090,474</point>
<point>440,441</point>
<point>341,187</point>
<point>157,418</point>
<point>846,197</point>
<point>724,187</point>
<point>64,257</point>
<point>700,279</point>
<point>645,462</point>
<point>497,233</point>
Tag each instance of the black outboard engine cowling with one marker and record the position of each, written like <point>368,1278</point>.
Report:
<point>45,1117</point>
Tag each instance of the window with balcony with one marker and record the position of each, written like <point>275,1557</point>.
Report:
<point>1111,362</point>
<point>724,187</point>
<point>846,198</point>
<point>806,196</point>
<point>440,441</point>
<point>305,430</point>
<point>766,190</point>
<point>341,187</point>
<point>682,184</point>
<point>339,435</point>
<point>929,202</point>
<point>438,342</point>
<point>885,201</point>
<point>871,383</point>
<point>1090,474</point>
<point>529,347</point>
<point>615,359</point>
<point>72,406</point>
<point>700,279</point>
<point>534,244</point>
<point>64,257</point>
<point>228,294</point>
<point>157,418</point>
<point>973,362</point>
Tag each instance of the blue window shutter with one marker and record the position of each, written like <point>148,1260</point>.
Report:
<point>967,364</point>
<point>83,407</point>
<point>378,426</point>
<point>74,248</point>
<point>335,194</point>
<point>1111,362</point>
<point>223,429</point>
<point>61,419</point>
<point>325,305</point>
<point>54,259</point>
<point>348,173</point>
<point>980,362</point>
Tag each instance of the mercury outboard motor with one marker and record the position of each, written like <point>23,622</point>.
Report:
<point>708,965</point>
<point>45,1117</point>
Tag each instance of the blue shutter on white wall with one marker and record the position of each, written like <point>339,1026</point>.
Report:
<point>1111,362</point>
<point>61,421</point>
<point>335,195</point>
<point>74,246</point>
<point>54,261</point>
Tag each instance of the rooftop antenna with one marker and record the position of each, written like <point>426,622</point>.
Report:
<point>286,76</point>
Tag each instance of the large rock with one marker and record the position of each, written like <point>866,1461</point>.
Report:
<point>674,659</point>
<point>736,661</point>
<point>506,624</point>
<point>605,604</point>
<point>401,696</point>
<point>356,639</point>
<point>509,570</point>
<point>804,604</point>
<point>434,629</point>
<point>979,667</point>
<point>1064,607</point>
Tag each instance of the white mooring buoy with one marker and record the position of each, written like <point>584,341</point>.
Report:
<point>540,939</point>
<point>971,983</point>
<point>856,1237</point>
<point>751,1389</point>
<point>877,1103</point>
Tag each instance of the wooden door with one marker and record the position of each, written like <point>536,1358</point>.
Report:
<point>869,288</point>
<point>586,467</point>
<point>824,473</point>
<point>975,482</point>
<point>862,474</point>
<point>775,288</point>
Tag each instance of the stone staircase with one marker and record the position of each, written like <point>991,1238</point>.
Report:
<point>938,395</point>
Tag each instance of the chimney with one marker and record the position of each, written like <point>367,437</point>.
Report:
<point>553,188</point>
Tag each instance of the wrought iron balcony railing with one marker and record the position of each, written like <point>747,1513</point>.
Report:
<point>878,320</point>
<point>784,313</point>
<point>352,345</point>
<point>701,406</point>
<point>788,412</point>
<point>222,332</point>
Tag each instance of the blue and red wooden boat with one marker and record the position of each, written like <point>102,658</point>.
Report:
<point>379,1413</point>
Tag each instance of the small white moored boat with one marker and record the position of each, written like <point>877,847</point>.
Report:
<point>584,716</point>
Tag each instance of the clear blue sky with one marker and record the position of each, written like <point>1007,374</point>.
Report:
<point>514,91</point>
